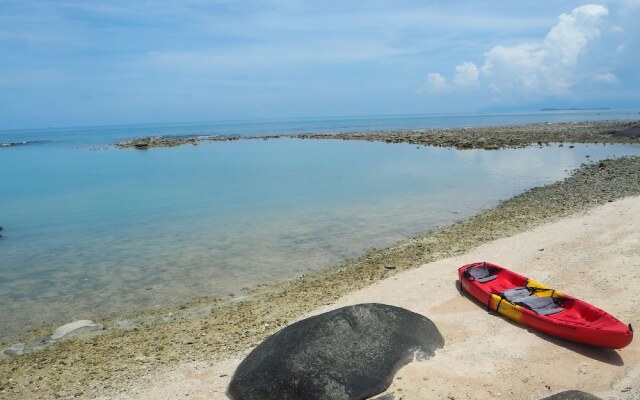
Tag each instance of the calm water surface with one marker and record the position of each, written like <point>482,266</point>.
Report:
<point>98,135</point>
<point>94,233</point>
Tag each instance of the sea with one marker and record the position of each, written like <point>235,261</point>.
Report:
<point>91,231</point>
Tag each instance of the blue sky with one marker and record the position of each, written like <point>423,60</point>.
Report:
<point>70,63</point>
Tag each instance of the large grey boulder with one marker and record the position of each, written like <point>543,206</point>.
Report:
<point>349,353</point>
<point>572,395</point>
<point>633,132</point>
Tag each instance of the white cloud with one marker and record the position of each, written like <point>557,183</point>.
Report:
<point>466,75</point>
<point>550,66</point>
<point>553,65</point>
<point>435,83</point>
<point>571,35</point>
<point>494,88</point>
<point>326,51</point>
<point>606,77</point>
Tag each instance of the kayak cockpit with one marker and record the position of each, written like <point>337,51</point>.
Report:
<point>494,279</point>
<point>541,307</point>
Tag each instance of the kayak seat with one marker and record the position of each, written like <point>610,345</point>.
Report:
<point>516,294</point>
<point>481,273</point>
<point>540,305</point>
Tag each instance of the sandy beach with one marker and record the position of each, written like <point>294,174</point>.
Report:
<point>595,256</point>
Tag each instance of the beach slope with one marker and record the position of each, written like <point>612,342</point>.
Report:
<point>594,256</point>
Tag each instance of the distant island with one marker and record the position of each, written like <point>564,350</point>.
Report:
<point>576,109</point>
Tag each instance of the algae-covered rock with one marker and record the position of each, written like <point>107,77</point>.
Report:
<point>572,395</point>
<point>349,353</point>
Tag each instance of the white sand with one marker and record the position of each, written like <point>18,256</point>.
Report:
<point>595,257</point>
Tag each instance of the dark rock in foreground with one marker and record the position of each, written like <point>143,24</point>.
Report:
<point>572,395</point>
<point>349,353</point>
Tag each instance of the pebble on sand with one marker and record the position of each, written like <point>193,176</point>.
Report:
<point>75,328</point>
<point>15,350</point>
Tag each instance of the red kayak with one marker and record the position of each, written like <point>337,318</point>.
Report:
<point>542,308</point>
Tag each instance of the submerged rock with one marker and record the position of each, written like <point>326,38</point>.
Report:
<point>126,325</point>
<point>75,328</point>
<point>572,395</point>
<point>15,350</point>
<point>349,353</point>
<point>633,132</point>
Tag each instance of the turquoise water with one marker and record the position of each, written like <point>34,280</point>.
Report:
<point>94,233</point>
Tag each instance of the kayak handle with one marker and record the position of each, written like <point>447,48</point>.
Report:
<point>630,328</point>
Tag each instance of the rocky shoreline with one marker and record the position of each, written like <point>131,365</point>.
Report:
<point>488,138</point>
<point>210,329</point>
<point>156,141</point>
<point>148,142</point>
<point>497,137</point>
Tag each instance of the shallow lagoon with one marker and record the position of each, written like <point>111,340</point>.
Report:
<point>95,233</point>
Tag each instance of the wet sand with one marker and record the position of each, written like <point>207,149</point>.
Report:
<point>131,356</point>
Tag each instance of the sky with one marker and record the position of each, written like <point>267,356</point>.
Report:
<point>97,62</point>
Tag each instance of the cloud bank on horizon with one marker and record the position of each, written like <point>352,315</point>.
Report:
<point>585,49</point>
<point>83,62</point>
